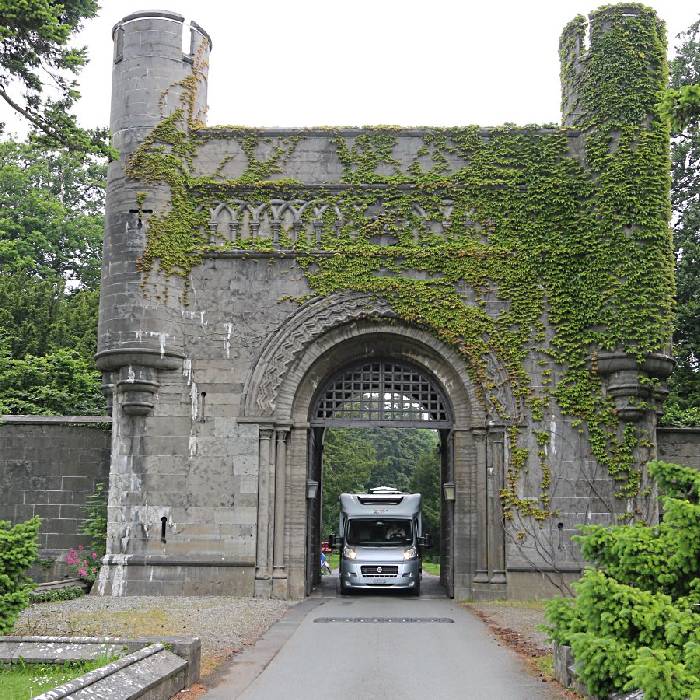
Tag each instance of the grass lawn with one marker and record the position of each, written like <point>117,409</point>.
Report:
<point>333,560</point>
<point>431,567</point>
<point>23,681</point>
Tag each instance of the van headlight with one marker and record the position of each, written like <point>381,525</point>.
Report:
<point>410,553</point>
<point>349,553</point>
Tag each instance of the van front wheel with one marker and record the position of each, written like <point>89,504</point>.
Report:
<point>416,589</point>
<point>344,590</point>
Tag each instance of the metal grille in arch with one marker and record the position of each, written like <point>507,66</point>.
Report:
<point>382,391</point>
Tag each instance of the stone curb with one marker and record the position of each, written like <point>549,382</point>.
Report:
<point>92,677</point>
<point>160,666</point>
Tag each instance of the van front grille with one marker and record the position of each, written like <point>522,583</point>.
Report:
<point>379,571</point>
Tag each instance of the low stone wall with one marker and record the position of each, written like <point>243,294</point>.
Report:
<point>679,445</point>
<point>49,465</point>
<point>151,669</point>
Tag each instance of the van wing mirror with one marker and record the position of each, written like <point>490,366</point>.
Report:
<point>426,541</point>
<point>334,541</point>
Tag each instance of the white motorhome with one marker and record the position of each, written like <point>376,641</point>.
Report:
<point>380,538</point>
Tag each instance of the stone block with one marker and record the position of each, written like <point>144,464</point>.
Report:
<point>563,662</point>
<point>71,511</point>
<point>57,541</point>
<point>66,526</point>
<point>35,497</point>
<point>7,512</point>
<point>65,497</point>
<point>47,511</point>
<point>76,483</point>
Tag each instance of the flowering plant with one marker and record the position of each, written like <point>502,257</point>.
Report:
<point>84,563</point>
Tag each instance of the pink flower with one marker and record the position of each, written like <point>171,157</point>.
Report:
<point>80,546</point>
<point>94,555</point>
<point>72,557</point>
<point>82,573</point>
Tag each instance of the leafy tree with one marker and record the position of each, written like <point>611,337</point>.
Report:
<point>684,401</point>
<point>398,451</point>
<point>426,481</point>
<point>348,457</point>
<point>35,52</point>
<point>51,223</point>
<point>60,383</point>
<point>37,317</point>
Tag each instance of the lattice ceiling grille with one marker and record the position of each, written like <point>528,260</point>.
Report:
<point>382,391</point>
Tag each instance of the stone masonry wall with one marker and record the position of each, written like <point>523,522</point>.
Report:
<point>680,446</point>
<point>48,467</point>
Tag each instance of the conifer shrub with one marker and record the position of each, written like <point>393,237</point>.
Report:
<point>635,621</point>
<point>19,547</point>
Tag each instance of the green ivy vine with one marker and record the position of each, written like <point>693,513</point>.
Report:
<point>551,228</point>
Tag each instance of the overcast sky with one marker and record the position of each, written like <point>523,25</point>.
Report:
<point>341,62</point>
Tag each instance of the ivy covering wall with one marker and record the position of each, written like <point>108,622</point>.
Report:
<point>567,226</point>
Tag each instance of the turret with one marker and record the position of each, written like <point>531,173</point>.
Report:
<point>613,65</point>
<point>152,78</point>
<point>614,72</point>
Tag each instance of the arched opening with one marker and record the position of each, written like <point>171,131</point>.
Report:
<point>293,368</point>
<point>395,405</point>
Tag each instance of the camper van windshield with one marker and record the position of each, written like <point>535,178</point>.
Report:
<point>379,533</point>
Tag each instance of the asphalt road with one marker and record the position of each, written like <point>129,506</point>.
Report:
<point>303,657</point>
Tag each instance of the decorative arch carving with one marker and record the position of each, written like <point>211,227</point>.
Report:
<point>323,323</point>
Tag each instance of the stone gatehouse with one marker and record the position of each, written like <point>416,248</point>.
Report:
<point>509,287</point>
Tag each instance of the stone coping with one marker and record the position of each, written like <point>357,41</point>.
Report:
<point>102,682</point>
<point>349,131</point>
<point>57,650</point>
<point>54,420</point>
<point>47,649</point>
<point>58,585</point>
<point>688,430</point>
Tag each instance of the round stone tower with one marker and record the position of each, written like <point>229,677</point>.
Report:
<point>140,331</point>
<point>139,334</point>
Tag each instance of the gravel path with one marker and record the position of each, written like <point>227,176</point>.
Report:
<point>522,617</point>
<point>224,624</point>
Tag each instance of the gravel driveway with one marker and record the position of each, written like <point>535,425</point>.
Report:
<point>224,624</point>
<point>523,617</point>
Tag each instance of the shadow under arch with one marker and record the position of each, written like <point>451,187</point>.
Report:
<point>293,365</point>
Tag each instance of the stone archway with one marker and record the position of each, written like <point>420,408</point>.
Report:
<point>311,346</point>
<point>379,392</point>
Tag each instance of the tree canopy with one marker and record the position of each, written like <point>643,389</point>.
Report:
<point>38,68</point>
<point>51,221</point>
<point>683,407</point>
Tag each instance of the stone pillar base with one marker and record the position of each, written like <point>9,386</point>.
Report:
<point>263,588</point>
<point>481,577</point>
<point>279,587</point>
<point>492,590</point>
<point>134,574</point>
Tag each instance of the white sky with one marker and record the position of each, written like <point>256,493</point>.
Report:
<point>341,62</point>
